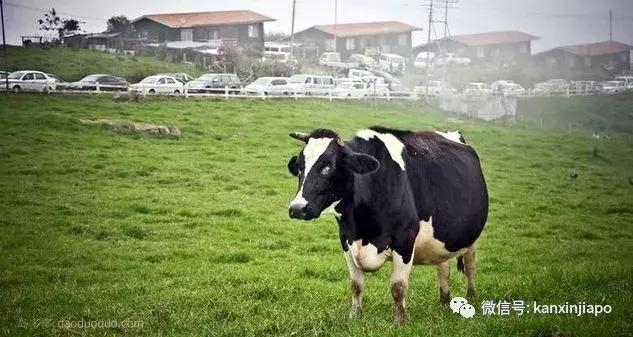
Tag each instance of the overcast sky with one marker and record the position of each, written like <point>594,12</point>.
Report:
<point>556,22</point>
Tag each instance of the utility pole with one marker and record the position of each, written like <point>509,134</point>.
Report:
<point>428,50</point>
<point>292,29</point>
<point>610,25</point>
<point>4,47</point>
<point>335,24</point>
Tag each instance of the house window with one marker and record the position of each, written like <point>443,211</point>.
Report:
<point>523,48</point>
<point>623,57</point>
<point>351,43</point>
<point>212,34</point>
<point>144,35</point>
<point>587,61</point>
<point>186,35</point>
<point>329,45</point>
<point>253,31</point>
<point>481,52</point>
<point>403,39</point>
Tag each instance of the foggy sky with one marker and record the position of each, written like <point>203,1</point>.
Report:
<point>556,22</point>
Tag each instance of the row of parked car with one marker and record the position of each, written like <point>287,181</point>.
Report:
<point>358,83</point>
<point>510,88</point>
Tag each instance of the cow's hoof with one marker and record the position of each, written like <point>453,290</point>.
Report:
<point>471,293</point>
<point>355,313</point>
<point>445,298</point>
<point>400,319</point>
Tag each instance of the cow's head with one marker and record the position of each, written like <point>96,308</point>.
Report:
<point>325,167</point>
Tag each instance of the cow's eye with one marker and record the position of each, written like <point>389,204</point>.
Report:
<point>325,170</point>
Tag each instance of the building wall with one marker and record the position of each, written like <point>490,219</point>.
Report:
<point>487,54</point>
<point>559,59</point>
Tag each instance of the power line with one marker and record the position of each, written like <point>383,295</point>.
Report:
<point>37,9</point>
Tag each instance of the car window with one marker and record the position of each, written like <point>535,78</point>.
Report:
<point>308,80</point>
<point>171,81</point>
<point>39,76</point>
<point>28,77</point>
<point>318,80</point>
<point>161,81</point>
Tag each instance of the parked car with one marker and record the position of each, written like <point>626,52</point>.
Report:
<point>628,81</point>
<point>3,74</point>
<point>477,89</point>
<point>433,88</point>
<point>276,47</point>
<point>613,87</point>
<point>58,83</point>
<point>30,80</point>
<point>104,82</point>
<point>327,59</point>
<point>215,83</point>
<point>182,77</point>
<point>310,84</point>
<point>267,86</point>
<point>451,59</point>
<point>585,87</point>
<point>392,63</point>
<point>424,60</point>
<point>554,86</point>
<point>158,84</point>
<point>279,56</point>
<point>363,60</point>
<point>351,89</point>
<point>507,88</point>
<point>363,75</point>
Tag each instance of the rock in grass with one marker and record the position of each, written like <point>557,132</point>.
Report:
<point>128,127</point>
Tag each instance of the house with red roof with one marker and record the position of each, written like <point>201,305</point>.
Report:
<point>238,27</point>
<point>369,38</point>
<point>501,47</point>
<point>612,56</point>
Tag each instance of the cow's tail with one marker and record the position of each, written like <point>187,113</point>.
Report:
<point>460,264</point>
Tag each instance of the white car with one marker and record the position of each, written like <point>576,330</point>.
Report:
<point>433,88</point>
<point>507,88</point>
<point>451,59</point>
<point>392,63</point>
<point>278,56</point>
<point>30,80</point>
<point>421,60</point>
<point>613,87</point>
<point>267,86</point>
<point>327,59</point>
<point>362,75</point>
<point>477,89</point>
<point>310,84</point>
<point>363,60</point>
<point>351,89</point>
<point>158,84</point>
<point>628,81</point>
<point>551,87</point>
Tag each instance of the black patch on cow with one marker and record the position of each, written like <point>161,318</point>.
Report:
<point>323,133</point>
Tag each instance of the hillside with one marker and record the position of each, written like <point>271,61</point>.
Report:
<point>72,65</point>
<point>191,236</point>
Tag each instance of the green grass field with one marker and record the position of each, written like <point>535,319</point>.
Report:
<point>191,236</point>
<point>72,65</point>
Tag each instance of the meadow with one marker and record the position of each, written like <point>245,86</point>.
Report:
<point>191,236</point>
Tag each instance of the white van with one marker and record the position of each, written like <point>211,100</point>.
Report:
<point>392,63</point>
<point>276,47</point>
<point>310,85</point>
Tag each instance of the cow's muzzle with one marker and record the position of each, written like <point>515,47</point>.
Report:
<point>301,212</point>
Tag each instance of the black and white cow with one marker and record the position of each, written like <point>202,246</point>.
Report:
<point>408,197</point>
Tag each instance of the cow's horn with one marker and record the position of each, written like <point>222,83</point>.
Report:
<point>300,136</point>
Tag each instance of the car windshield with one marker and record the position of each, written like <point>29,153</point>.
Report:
<point>149,80</point>
<point>16,75</point>
<point>296,79</point>
<point>261,81</point>
<point>90,78</point>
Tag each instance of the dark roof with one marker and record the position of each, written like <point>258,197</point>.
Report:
<point>501,37</point>
<point>365,28</point>
<point>596,48</point>
<point>198,19</point>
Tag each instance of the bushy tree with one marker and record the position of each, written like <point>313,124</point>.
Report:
<point>122,25</point>
<point>52,22</point>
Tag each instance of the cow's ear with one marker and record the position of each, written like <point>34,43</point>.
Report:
<point>361,163</point>
<point>292,166</point>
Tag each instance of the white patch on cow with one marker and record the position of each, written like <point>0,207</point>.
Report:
<point>451,135</point>
<point>428,249</point>
<point>331,209</point>
<point>394,145</point>
<point>366,257</point>
<point>311,153</point>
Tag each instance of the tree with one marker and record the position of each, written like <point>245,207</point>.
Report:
<point>52,22</point>
<point>122,25</point>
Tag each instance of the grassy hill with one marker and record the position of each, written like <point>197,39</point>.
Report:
<point>191,236</point>
<point>72,65</point>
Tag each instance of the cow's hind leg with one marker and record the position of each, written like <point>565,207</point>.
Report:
<point>399,286</point>
<point>443,275</point>
<point>356,286</point>
<point>470,269</point>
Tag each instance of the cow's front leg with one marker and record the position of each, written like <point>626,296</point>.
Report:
<point>356,286</point>
<point>399,286</point>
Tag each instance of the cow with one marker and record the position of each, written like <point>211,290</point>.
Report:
<point>415,198</point>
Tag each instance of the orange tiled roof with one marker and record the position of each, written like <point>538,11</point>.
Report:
<point>198,19</point>
<point>366,28</point>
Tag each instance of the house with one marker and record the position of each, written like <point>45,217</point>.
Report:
<point>240,28</point>
<point>607,55</point>
<point>500,47</point>
<point>371,38</point>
